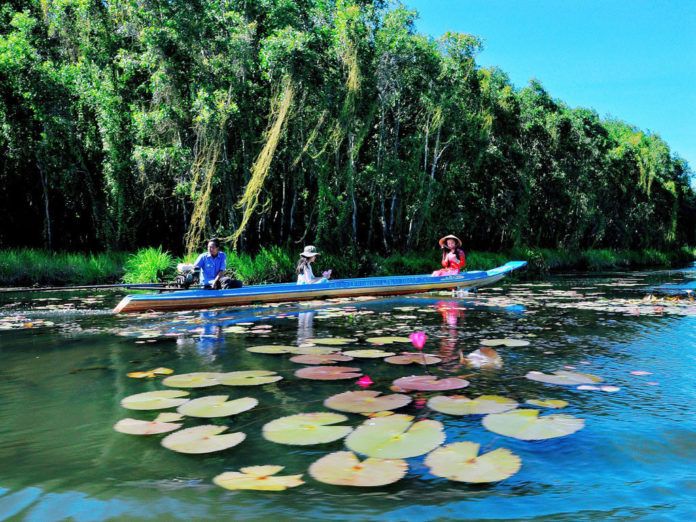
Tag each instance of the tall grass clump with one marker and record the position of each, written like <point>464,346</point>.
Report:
<point>270,265</point>
<point>406,264</point>
<point>149,265</point>
<point>30,267</point>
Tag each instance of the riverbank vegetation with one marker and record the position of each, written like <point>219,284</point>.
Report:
<point>127,124</point>
<point>24,267</point>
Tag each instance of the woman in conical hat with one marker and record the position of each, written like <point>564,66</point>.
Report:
<point>453,257</point>
<point>305,276</point>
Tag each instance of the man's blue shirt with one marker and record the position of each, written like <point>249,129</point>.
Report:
<point>210,266</point>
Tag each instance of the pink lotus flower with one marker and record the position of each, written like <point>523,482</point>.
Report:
<point>418,339</point>
<point>365,381</point>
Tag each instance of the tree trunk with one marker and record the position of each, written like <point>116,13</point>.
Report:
<point>48,234</point>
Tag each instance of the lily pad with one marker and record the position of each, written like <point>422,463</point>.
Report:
<point>332,341</point>
<point>366,401</point>
<point>141,427</point>
<point>260,478</point>
<point>430,383</point>
<point>510,343</point>
<point>235,329</point>
<point>396,437</point>
<point>388,340</point>
<point>216,406</point>
<point>414,358</point>
<point>192,380</point>
<point>327,358</point>
<point>368,354</point>
<point>343,468</point>
<point>564,378</point>
<point>155,400</point>
<point>306,428</point>
<point>461,462</point>
<point>150,373</point>
<point>169,417</point>
<point>328,373</point>
<point>202,439</point>
<point>460,405</point>
<point>248,378</point>
<point>315,350</point>
<point>555,404</point>
<point>527,425</point>
<point>272,349</point>
<point>372,415</point>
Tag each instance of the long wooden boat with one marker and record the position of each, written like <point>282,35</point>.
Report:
<point>378,286</point>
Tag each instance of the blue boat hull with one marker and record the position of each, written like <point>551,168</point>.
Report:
<point>377,286</point>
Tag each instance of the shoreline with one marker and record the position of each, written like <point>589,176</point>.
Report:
<point>29,267</point>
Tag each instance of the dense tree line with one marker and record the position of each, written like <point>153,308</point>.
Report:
<point>133,122</point>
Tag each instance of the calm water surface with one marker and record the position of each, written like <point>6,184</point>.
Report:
<point>61,384</point>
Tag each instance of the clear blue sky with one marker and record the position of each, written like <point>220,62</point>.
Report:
<point>630,59</point>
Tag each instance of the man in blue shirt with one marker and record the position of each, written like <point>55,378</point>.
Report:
<point>213,265</point>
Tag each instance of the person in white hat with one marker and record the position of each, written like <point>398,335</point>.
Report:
<point>305,276</point>
<point>453,257</point>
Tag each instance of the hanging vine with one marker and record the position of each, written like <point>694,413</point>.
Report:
<point>280,108</point>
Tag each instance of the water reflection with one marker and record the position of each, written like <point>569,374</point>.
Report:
<point>305,326</point>
<point>451,312</point>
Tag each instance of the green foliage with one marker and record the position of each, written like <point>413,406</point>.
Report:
<point>269,265</point>
<point>127,124</point>
<point>149,265</point>
<point>29,267</point>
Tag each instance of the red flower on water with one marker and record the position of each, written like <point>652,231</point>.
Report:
<point>365,381</point>
<point>418,339</point>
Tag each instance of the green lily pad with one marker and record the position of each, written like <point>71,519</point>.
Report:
<point>413,358</point>
<point>235,329</point>
<point>260,478</point>
<point>328,358</point>
<point>343,468</point>
<point>460,405</point>
<point>141,427</point>
<point>315,350</point>
<point>368,354</point>
<point>248,378</point>
<point>461,462</point>
<point>306,428</point>
<point>366,401</point>
<point>155,400</point>
<point>272,349</point>
<point>555,404</point>
<point>564,378</point>
<point>216,406</point>
<point>395,437</point>
<point>332,341</point>
<point>169,417</point>
<point>527,425</point>
<point>430,383</point>
<point>202,439</point>
<point>192,380</point>
<point>388,340</point>
<point>510,343</point>
<point>328,373</point>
